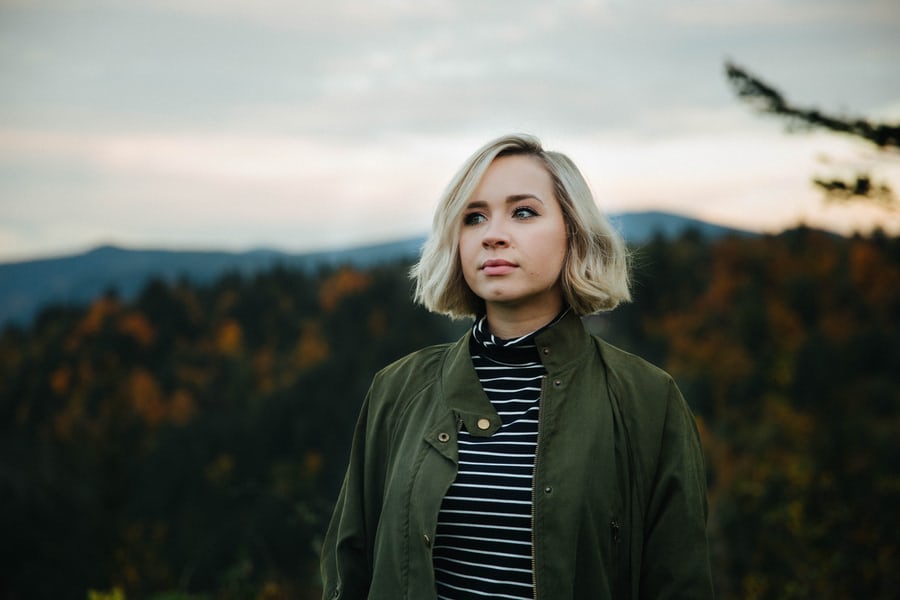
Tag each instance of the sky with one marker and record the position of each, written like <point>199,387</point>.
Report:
<point>300,125</point>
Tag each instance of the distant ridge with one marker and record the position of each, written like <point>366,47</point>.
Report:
<point>28,286</point>
<point>640,227</point>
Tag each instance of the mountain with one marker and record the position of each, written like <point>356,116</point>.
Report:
<point>639,227</point>
<point>27,286</point>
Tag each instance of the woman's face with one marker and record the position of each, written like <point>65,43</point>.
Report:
<point>512,243</point>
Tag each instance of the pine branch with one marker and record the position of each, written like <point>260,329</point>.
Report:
<point>767,99</point>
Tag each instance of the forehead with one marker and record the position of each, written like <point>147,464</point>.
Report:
<point>513,175</point>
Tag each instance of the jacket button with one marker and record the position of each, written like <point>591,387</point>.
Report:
<point>427,539</point>
<point>546,351</point>
<point>484,424</point>
<point>557,382</point>
<point>444,437</point>
<point>548,490</point>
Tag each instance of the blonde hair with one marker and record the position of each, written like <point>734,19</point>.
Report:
<point>595,274</point>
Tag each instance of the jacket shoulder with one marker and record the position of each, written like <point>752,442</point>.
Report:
<point>629,370</point>
<point>646,396</point>
<point>415,370</point>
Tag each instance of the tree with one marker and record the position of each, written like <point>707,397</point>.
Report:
<point>884,136</point>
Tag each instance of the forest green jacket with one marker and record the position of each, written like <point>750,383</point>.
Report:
<point>619,483</point>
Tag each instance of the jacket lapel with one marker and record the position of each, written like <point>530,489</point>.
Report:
<point>463,393</point>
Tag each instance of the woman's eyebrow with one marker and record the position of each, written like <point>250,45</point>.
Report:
<point>520,197</point>
<point>509,200</point>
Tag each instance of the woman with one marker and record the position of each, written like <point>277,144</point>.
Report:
<point>529,459</point>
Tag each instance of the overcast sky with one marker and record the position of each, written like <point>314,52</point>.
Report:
<point>292,124</point>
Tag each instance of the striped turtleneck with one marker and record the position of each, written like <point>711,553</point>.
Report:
<point>483,542</point>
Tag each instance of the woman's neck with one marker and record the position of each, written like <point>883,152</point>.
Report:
<point>512,323</point>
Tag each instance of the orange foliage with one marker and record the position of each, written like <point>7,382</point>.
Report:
<point>727,278</point>
<point>876,279</point>
<point>61,380</point>
<point>137,326</point>
<point>838,326</point>
<point>345,282</point>
<point>146,397</point>
<point>263,365</point>
<point>695,347</point>
<point>97,314</point>
<point>377,323</point>
<point>312,463</point>
<point>181,407</point>
<point>794,426</point>
<point>148,401</point>
<point>271,590</point>
<point>230,337</point>
<point>312,348</point>
<point>99,311</point>
<point>791,330</point>
<point>694,342</point>
<point>763,284</point>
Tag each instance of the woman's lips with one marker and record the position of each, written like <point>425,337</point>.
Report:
<point>497,267</point>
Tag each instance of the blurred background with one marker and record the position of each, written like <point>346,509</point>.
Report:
<point>208,210</point>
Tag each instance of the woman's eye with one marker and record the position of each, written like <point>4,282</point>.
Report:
<point>524,212</point>
<point>473,219</point>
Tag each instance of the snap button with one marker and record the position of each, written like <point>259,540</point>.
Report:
<point>546,351</point>
<point>443,437</point>
<point>557,382</point>
<point>427,540</point>
<point>484,424</point>
<point>548,490</point>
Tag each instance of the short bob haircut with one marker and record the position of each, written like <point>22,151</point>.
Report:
<point>595,273</point>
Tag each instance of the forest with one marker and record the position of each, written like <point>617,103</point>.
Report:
<point>188,443</point>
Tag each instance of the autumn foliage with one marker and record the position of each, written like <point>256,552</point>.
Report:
<point>189,443</point>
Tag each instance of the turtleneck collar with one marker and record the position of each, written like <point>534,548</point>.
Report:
<point>514,350</point>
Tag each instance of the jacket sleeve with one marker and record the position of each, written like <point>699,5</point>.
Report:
<point>346,560</point>
<point>676,552</point>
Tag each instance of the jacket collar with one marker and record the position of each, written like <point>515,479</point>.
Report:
<point>560,347</point>
<point>563,345</point>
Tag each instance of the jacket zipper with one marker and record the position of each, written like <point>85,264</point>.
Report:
<point>537,444</point>
<point>616,533</point>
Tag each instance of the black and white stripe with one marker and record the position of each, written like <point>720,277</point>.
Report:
<point>483,543</point>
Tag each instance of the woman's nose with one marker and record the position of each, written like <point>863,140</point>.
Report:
<point>495,235</point>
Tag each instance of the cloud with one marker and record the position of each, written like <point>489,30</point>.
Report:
<point>363,68</point>
<point>780,13</point>
<point>303,124</point>
<point>216,191</point>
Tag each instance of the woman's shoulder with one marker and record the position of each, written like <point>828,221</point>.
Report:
<point>630,369</point>
<point>646,395</point>
<point>421,366</point>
